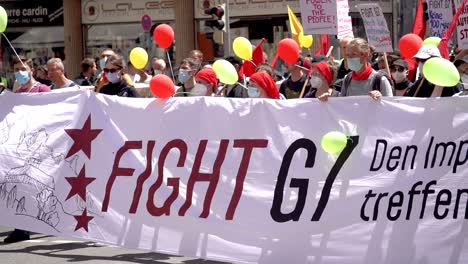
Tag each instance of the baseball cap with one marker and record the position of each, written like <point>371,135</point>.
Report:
<point>426,52</point>
<point>401,63</point>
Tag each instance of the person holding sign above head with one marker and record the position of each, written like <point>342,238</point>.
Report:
<point>363,80</point>
<point>399,70</point>
<point>422,87</point>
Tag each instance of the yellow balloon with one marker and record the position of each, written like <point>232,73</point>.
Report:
<point>242,48</point>
<point>138,58</point>
<point>306,40</point>
<point>225,71</point>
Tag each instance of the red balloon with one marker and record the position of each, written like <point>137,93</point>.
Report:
<point>288,50</point>
<point>163,35</point>
<point>162,86</point>
<point>409,45</point>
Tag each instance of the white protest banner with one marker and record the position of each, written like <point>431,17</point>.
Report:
<point>375,24</point>
<point>440,15</point>
<point>345,27</point>
<point>241,180</point>
<point>319,17</point>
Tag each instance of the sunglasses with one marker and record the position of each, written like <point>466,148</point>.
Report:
<point>399,69</point>
<point>111,70</point>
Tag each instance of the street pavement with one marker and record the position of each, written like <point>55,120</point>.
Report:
<point>44,249</point>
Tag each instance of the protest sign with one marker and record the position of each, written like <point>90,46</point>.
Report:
<point>375,24</point>
<point>440,15</point>
<point>345,27</point>
<point>319,17</point>
<point>462,26</point>
<point>246,181</point>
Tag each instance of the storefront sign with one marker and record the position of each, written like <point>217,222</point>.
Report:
<point>34,13</point>
<point>242,8</point>
<point>117,11</point>
<point>376,27</point>
<point>247,181</point>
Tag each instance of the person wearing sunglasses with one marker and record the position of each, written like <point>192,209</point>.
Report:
<point>399,70</point>
<point>114,71</point>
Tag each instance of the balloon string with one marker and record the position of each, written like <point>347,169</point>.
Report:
<point>13,50</point>
<point>170,65</point>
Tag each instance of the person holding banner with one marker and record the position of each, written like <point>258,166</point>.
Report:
<point>422,87</point>
<point>22,67</point>
<point>321,79</point>
<point>207,82</point>
<point>399,70</point>
<point>363,80</point>
<point>262,85</point>
<point>297,81</point>
<point>187,70</point>
<point>114,70</point>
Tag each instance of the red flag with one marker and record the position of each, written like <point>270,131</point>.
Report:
<point>318,51</point>
<point>274,61</point>
<point>419,25</point>
<point>325,44</point>
<point>257,58</point>
<point>443,45</point>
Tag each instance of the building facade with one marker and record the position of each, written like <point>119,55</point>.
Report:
<point>42,31</point>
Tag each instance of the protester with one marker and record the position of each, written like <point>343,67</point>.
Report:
<point>102,79</point>
<point>158,66</point>
<point>56,73</point>
<point>42,75</point>
<point>363,80</point>
<point>343,69</point>
<point>237,90</point>
<point>137,76</point>
<point>207,82</point>
<point>262,85</point>
<point>186,78</point>
<point>197,55</point>
<point>297,80</point>
<point>117,85</point>
<point>87,76</point>
<point>399,70</point>
<point>105,54</point>
<point>422,87</point>
<point>321,79</point>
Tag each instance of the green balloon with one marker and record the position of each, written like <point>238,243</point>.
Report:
<point>441,72</point>
<point>334,142</point>
<point>225,71</point>
<point>434,41</point>
<point>3,19</point>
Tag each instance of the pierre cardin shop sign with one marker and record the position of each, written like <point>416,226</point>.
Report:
<point>117,11</point>
<point>34,13</point>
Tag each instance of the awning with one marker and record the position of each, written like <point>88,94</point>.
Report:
<point>42,37</point>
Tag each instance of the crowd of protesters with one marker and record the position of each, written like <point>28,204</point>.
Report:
<point>360,72</point>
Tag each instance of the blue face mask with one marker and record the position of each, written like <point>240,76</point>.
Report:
<point>184,76</point>
<point>253,92</point>
<point>354,64</point>
<point>22,77</point>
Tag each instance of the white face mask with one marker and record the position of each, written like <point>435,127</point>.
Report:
<point>399,76</point>
<point>156,72</point>
<point>113,77</point>
<point>354,64</point>
<point>102,62</point>
<point>316,82</point>
<point>199,90</point>
<point>253,92</point>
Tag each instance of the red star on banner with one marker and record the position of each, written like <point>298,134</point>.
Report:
<point>82,220</point>
<point>82,138</point>
<point>79,184</point>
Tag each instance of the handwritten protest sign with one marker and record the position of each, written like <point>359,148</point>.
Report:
<point>462,27</point>
<point>345,27</point>
<point>440,16</point>
<point>319,17</point>
<point>377,31</point>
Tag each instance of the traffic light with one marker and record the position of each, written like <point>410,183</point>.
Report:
<point>217,15</point>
